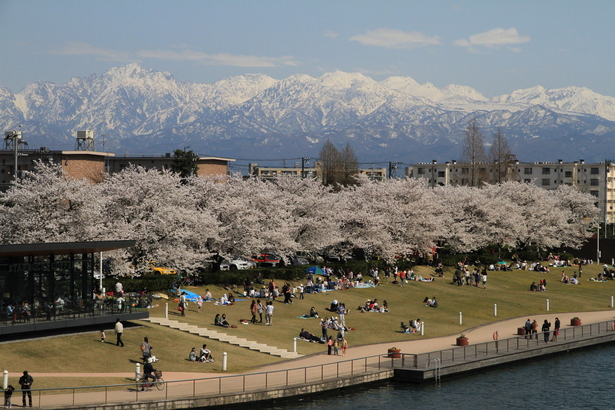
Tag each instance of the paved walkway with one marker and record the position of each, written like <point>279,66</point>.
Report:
<point>415,344</point>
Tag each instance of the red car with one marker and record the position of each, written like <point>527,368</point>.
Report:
<point>266,259</point>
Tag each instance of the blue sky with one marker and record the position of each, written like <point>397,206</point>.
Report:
<point>493,46</point>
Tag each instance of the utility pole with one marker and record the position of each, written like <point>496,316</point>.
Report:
<point>13,140</point>
<point>393,167</point>
<point>304,160</point>
<point>607,166</point>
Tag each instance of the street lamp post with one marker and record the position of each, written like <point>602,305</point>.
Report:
<point>15,141</point>
<point>304,160</point>
<point>598,246</point>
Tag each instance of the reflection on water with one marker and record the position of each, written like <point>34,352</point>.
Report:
<point>579,379</point>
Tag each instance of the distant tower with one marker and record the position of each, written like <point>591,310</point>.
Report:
<point>85,141</point>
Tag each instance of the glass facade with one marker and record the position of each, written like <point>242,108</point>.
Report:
<point>46,283</point>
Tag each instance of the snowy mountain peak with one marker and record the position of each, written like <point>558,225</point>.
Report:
<point>341,79</point>
<point>255,115</point>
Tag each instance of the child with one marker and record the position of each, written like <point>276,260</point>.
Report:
<point>7,396</point>
<point>199,303</point>
<point>102,336</point>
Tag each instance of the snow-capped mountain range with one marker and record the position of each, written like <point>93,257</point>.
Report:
<point>138,111</point>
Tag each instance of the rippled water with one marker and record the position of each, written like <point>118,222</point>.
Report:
<point>579,379</point>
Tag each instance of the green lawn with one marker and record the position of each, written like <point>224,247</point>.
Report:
<point>509,290</point>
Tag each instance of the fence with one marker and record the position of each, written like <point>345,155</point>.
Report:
<point>302,376</point>
<point>51,312</point>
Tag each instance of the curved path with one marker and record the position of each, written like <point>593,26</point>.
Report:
<point>415,344</point>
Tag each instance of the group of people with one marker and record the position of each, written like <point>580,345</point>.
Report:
<point>204,356</point>
<point>463,276</point>
<point>25,382</point>
<point>374,306</point>
<point>430,302</point>
<point>414,326</point>
<point>531,330</point>
<point>569,280</point>
<point>333,345</point>
<point>541,287</point>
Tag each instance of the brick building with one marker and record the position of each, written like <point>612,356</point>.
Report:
<point>86,162</point>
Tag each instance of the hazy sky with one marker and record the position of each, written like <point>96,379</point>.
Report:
<point>493,46</point>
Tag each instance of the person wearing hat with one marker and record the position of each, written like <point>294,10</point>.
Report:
<point>25,382</point>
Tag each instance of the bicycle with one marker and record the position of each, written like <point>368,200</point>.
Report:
<point>146,383</point>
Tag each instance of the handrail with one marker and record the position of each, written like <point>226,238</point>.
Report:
<point>259,381</point>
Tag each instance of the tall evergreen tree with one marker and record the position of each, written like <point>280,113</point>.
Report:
<point>185,163</point>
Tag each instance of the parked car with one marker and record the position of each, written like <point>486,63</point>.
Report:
<point>237,263</point>
<point>267,259</point>
<point>158,268</point>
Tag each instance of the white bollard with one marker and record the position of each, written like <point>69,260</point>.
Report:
<point>166,311</point>
<point>295,345</point>
<point>422,328</point>
<point>460,318</point>
<point>611,301</point>
<point>5,380</point>
<point>547,305</point>
<point>137,371</point>
<point>495,309</point>
<point>224,355</point>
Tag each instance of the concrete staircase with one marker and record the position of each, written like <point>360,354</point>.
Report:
<point>223,337</point>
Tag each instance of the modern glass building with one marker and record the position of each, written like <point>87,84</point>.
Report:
<point>51,285</point>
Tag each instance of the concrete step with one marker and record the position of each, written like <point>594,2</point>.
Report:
<point>223,337</point>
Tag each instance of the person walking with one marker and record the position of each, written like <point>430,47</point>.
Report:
<point>260,309</point>
<point>253,311</point>
<point>344,346</point>
<point>556,330</point>
<point>25,382</point>
<point>183,304</point>
<point>546,326</point>
<point>146,350</point>
<point>269,313</point>
<point>119,329</point>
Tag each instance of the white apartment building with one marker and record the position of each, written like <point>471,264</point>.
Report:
<point>374,174</point>
<point>597,179</point>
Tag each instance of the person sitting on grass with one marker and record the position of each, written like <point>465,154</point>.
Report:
<point>205,356</point>
<point>192,355</point>
<point>218,320</point>
<point>431,302</point>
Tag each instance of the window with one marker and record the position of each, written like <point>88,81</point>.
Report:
<point>527,171</point>
<point>465,170</point>
<point>594,171</point>
<point>594,182</point>
<point>594,192</point>
<point>546,182</point>
<point>568,174</point>
<point>441,174</point>
<point>546,171</point>
<point>527,181</point>
<point>421,171</point>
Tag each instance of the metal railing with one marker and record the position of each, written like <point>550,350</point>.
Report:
<point>71,311</point>
<point>514,344</point>
<point>301,376</point>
